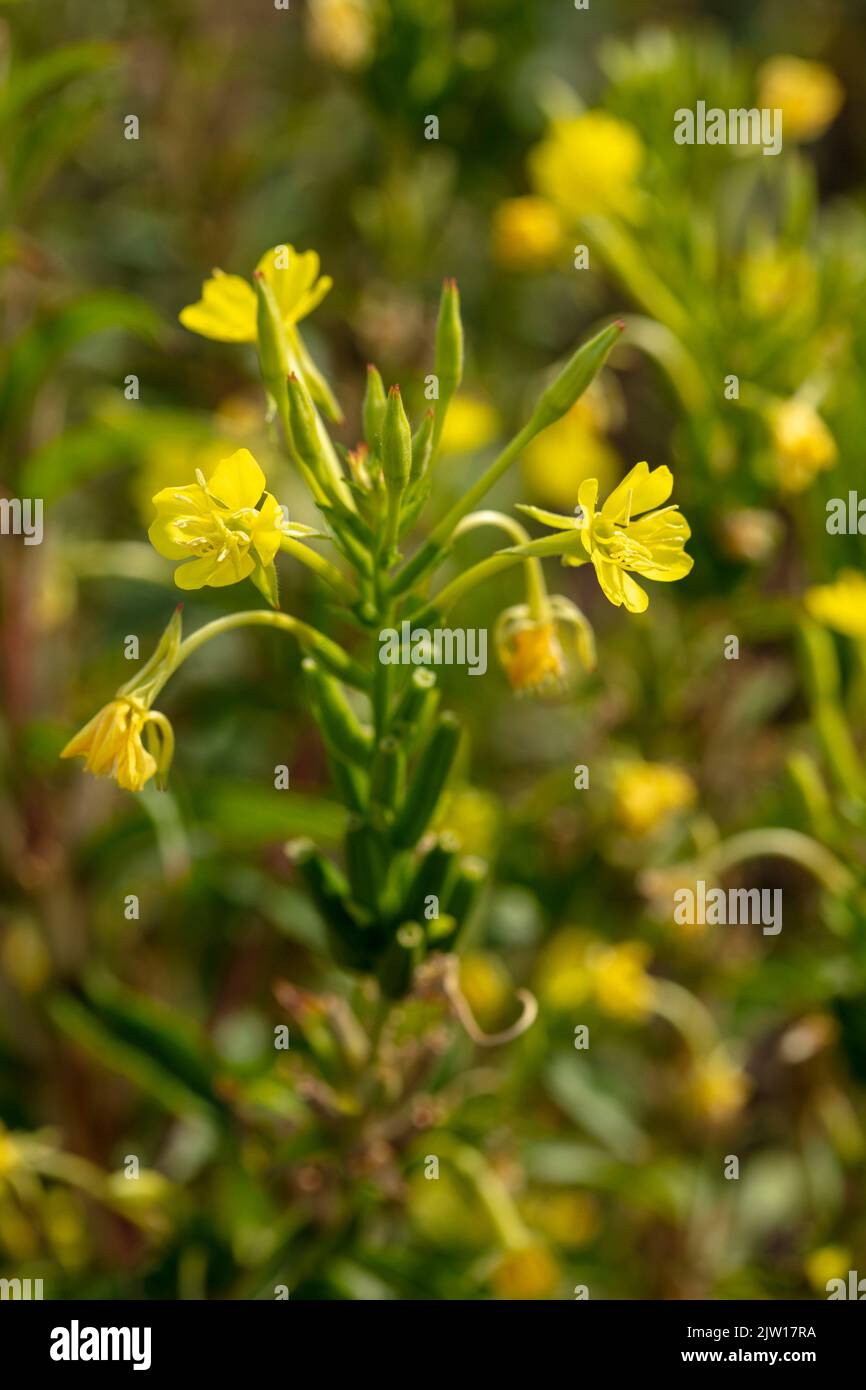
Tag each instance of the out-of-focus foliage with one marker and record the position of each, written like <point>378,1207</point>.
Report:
<point>149,947</point>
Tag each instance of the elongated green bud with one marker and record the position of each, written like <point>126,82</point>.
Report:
<point>340,725</point>
<point>429,780</point>
<point>576,375</point>
<point>270,337</point>
<point>404,953</point>
<point>302,423</point>
<point>449,340</point>
<point>432,878</point>
<point>366,862</point>
<point>422,447</point>
<point>374,408</point>
<point>396,443</point>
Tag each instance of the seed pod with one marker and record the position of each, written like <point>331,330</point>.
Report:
<point>432,877</point>
<point>396,443</point>
<point>366,862</point>
<point>389,773</point>
<point>340,725</point>
<point>348,941</point>
<point>429,780</point>
<point>374,409</point>
<point>400,959</point>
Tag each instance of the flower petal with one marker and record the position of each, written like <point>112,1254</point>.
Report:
<point>639,491</point>
<point>226,311</point>
<point>238,482</point>
<point>267,529</point>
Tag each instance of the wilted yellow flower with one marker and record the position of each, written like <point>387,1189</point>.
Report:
<point>652,546</point>
<point>808,94</point>
<point>563,980</point>
<point>802,442</point>
<point>557,461</point>
<point>111,743</point>
<point>528,1272</point>
<point>646,794</point>
<point>620,983</point>
<point>471,423</point>
<point>341,31</point>
<point>215,527</point>
<point>840,605</point>
<point>588,164</point>
<point>529,647</point>
<point>718,1089</point>
<point>829,1262</point>
<point>227,308</point>
<point>526,233</point>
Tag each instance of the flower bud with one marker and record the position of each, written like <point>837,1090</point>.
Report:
<point>449,341</point>
<point>574,378</point>
<point>374,408</point>
<point>396,443</point>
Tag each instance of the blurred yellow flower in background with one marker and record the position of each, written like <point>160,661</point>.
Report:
<point>227,309</point>
<point>588,164</point>
<point>341,32</point>
<point>775,279</point>
<point>557,461</point>
<point>471,423</point>
<point>802,443</point>
<point>647,794</point>
<point>563,980</point>
<point>828,1262</point>
<point>474,816</point>
<point>526,1273</point>
<point>809,95</point>
<point>486,987</point>
<point>840,605</point>
<point>620,982</point>
<point>566,1218</point>
<point>717,1088</point>
<point>526,233</point>
<point>111,743</point>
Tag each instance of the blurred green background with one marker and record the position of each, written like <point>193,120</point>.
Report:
<point>149,1037</point>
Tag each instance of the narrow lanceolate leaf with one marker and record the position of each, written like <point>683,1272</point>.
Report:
<point>428,781</point>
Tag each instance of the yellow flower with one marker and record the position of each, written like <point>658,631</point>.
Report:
<point>528,1272</point>
<point>808,94</point>
<point>652,546</point>
<point>829,1262</point>
<point>569,1219</point>
<point>802,442</point>
<point>563,978</point>
<point>588,164</point>
<point>215,527</point>
<point>486,987</point>
<point>840,605</point>
<point>718,1088</point>
<point>526,233</point>
<point>621,986</point>
<point>341,32</point>
<point>473,816</point>
<point>646,794</point>
<point>111,743</point>
<point>558,460</point>
<point>529,648</point>
<point>227,308</point>
<point>470,424</point>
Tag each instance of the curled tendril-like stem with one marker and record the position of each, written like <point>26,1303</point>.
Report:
<point>442,976</point>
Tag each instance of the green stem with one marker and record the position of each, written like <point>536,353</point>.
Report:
<point>320,566</point>
<point>332,656</point>
<point>536,589</point>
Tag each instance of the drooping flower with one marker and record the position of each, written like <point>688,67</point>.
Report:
<point>113,742</point>
<point>617,544</point>
<point>802,443</point>
<point>840,605</point>
<point>226,311</point>
<point>216,526</point>
<point>808,94</point>
<point>646,794</point>
<point>588,164</point>
<point>529,647</point>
